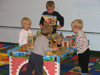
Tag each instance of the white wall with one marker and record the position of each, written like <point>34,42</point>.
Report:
<point>12,11</point>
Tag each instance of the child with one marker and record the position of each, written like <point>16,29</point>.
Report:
<point>81,45</point>
<point>50,6</point>
<point>41,46</point>
<point>26,24</point>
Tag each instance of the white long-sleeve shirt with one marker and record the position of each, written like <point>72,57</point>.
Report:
<point>23,36</point>
<point>81,42</point>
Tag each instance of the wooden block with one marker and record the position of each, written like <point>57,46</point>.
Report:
<point>27,54</point>
<point>30,46</point>
<point>29,38</point>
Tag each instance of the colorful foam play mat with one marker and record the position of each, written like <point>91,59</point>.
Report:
<point>67,67</point>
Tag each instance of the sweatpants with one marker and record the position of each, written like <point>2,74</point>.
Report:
<point>36,63</point>
<point>83,60</point>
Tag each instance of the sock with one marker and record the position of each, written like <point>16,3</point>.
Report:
<point>79,69</point>
<point>84,73</point>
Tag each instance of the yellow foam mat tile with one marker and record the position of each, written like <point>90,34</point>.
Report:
<point>75,68</point>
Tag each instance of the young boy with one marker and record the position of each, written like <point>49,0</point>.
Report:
<point>50,6</point>
<point>41,46</point>
<point>26,24</point>
<point>81,45</point>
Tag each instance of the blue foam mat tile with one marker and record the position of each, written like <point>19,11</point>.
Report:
<point>66,67</point>
<point>70,57</point>
<point>6,45</point>
<point>94,72</point>
<point>91,66</point>
<point>6,74</point>
<point>21,73</point>
<point>4,67</point>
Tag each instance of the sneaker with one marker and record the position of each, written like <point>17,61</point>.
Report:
<point>82,74</point>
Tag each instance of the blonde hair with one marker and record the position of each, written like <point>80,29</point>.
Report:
<point>46,29</point>
<point>50,4</point>
<point>24,20</point>
<point>78,23</point>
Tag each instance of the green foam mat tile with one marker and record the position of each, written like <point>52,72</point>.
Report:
<point>2,72</point>
<point>97,66</point>
<point>62,72</point>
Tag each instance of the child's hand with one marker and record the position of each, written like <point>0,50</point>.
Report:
<point>41,26</point>
<point>73,46</point>
<point>34,35</point>
<point>58,27</point>
<point>55,49</point>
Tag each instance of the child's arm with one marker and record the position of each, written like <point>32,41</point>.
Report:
<point>47,48</point>
<point>73,46</point>
<point>40,26</point>
<point>20,40</point>
<point>79,42</point>
<point>58,27</point>
<point>34,35</point>
<point>61,20</point>
<point>41,22</point>
<point>55,49</point>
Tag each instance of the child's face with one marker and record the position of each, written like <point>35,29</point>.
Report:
<point>50,9</point>
<point>27,25</point>
<point>75,30</point>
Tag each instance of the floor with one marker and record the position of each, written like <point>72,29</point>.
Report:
<point>68,67</point>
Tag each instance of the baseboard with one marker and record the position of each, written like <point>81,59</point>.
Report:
<point>8,43</point>
<point>94,53</point>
